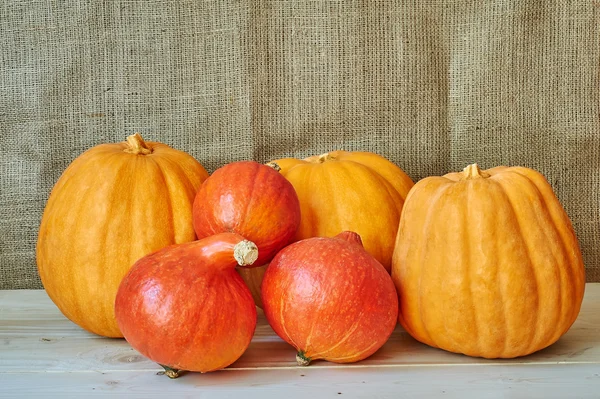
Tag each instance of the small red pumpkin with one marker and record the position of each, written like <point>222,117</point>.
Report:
<point>330,299</point>
<point>252,200</point>
<point>186,308</point>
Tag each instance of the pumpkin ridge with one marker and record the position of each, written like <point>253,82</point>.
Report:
<point>169,197</point>
<point>426,225</point>
<point>116,162</point>
<point>560,271</point>
<point>391,190</point>
<point>559,216</point>
<point>183,159</point>
<point>471,268</point>
<point>120,177</point>
<point>506,193</point>
<point>187,183</point>
<point>557,263</point>
<point>251,198</point>
<point>314,227</point>
<point>307,202</point>
<point>350,169</point>
<point>112,159</point>
<point>502,289</point>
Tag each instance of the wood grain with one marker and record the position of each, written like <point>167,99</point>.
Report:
<point>488,381</point>
<point>42,351</point>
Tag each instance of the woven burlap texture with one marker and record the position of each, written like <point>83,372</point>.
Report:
<point>431,85</point>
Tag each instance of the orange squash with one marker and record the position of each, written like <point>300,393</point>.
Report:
<point>487,263</point>
<point>338,191</point>
<point>114,204</point>
<point>356,191</point>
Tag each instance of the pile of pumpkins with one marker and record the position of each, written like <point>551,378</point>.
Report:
<point>138,241</point>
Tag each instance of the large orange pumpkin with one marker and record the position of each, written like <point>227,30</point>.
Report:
<point>487,263</point>
<point>114,204</point>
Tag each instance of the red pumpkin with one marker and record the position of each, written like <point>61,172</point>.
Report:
<point>252,200</point>
<point>186,308</point>
<point>330,299</point>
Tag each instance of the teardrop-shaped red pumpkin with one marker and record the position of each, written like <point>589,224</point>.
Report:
<point>186,308</point>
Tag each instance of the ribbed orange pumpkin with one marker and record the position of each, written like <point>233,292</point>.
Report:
<point>338,191</point>
<point>487,263</point>
<point>114,204</point>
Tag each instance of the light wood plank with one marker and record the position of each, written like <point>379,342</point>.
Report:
<point>484,382</point>
<point>44,354</point>
<point>34,335</point>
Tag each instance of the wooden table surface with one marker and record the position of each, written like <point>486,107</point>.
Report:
<point>42,354</point>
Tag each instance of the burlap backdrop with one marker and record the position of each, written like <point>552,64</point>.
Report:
<point>431,85</point>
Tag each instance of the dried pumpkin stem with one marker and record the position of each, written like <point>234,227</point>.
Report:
<point>325,157</point>
<point>473,172</point>
<point>137,145</point>
<point>245,252</point>
<point>274,165</point>
<point>301,359</point>
<point>170,372</point>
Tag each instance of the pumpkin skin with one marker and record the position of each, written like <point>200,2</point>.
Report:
<point>114,204</point>
<point>487,263</point>
<point>252,200</point>
<point>186,308</point>
<point>330,299</point>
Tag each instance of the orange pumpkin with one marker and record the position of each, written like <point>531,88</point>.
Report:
<point>356,191</point>
<point>487,263</point>
<point>338,191</point>
<point>114,204</point>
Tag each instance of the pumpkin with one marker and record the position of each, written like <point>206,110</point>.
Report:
<point>186,308</point>
<point>487,263</point>
<point>330,299</point>
<point>340,190</point>
<point>357,191</point>
<point>252,200</point>
<point>114,204</point>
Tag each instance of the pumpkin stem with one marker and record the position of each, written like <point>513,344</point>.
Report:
<point>301,359</point>
<point>137,145</point>
<point>350,236</point>
<point>245,252</point>
<point>171,373</point>
<point>473,172</point>
<point>324,157</point>
<point>275,166</point>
